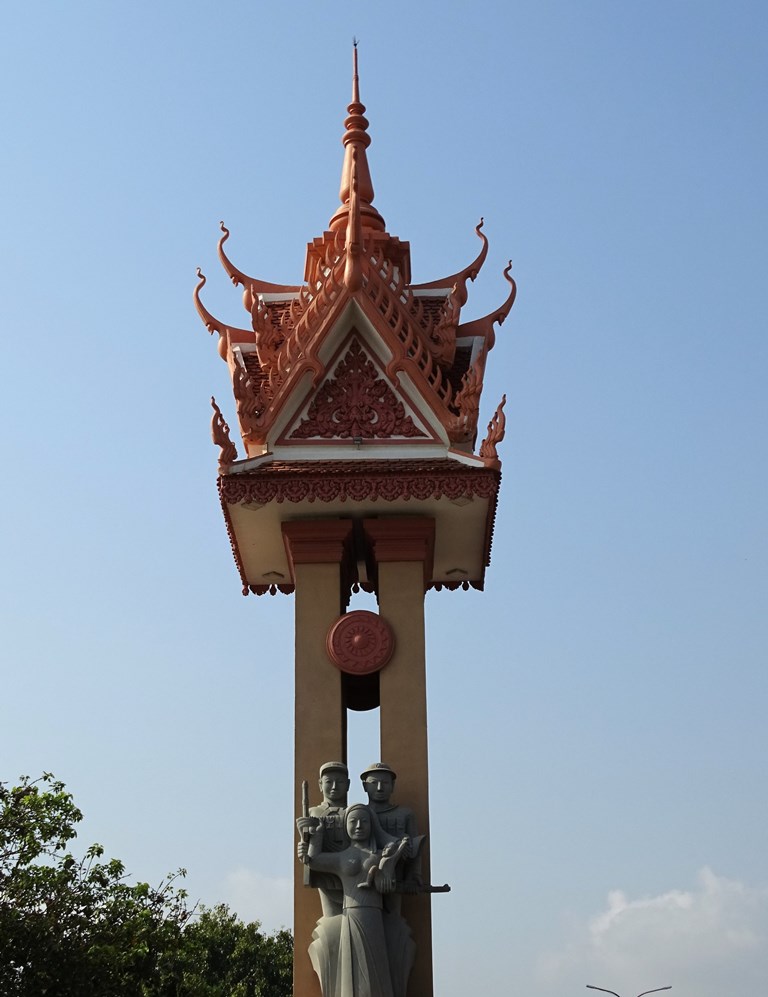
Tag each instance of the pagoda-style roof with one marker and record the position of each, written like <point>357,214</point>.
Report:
<point>355,376</point>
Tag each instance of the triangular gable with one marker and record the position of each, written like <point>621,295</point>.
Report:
<point>357,401</point>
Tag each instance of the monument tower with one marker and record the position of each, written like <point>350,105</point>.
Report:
<point>357,397</point>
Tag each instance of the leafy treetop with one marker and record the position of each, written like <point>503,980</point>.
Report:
<point>75,927</point>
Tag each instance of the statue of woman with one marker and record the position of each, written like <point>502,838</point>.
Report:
<point>363,952</point>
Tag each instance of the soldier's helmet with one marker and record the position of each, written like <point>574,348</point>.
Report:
<point>378,768</point>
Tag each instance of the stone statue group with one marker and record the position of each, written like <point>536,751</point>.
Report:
<point>361,858</point>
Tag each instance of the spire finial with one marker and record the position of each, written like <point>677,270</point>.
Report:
<point>355,76</point>
<point>356,139</point>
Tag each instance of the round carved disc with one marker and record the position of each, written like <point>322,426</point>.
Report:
<point>360,642</point>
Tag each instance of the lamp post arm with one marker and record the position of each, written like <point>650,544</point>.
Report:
<point>653,991</point>
<point>590,987</point>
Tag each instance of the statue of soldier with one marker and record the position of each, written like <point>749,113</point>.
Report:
<point>334,785</point>
<point>397,822</point>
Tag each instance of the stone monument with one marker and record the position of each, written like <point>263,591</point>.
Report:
<point>366,950</point>
<point>357,396</point>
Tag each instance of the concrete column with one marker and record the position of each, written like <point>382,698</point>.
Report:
<point>402,549</point>
<point>316,552</point>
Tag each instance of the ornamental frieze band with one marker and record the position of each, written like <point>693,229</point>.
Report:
<point>337,481</point>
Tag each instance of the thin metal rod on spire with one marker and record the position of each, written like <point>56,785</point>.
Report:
<point>355,77</point>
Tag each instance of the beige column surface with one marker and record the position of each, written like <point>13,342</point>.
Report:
<point>319,735</point>
<point>403,551</point>
<point>402,687</point>
<point>316,553</point>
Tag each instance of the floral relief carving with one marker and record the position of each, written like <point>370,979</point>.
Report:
<point>328,484</point>
<point>360,642</point>
<point>355,402</point>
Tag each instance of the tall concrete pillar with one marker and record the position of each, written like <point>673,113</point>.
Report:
<point>316,550</point>
<point>402,550</point>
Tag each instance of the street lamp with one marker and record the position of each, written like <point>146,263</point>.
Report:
<point>657,989</point>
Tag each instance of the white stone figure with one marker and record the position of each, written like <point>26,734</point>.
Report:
<point>396,821</point>
<point>329,816</point>
<point>365,951</point>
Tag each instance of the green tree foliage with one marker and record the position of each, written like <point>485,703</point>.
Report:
<point>222,957</point>
<point>74,927</point>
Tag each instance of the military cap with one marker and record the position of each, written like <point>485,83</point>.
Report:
<point>333,767</point>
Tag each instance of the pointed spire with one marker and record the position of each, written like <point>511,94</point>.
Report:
<point>356,140</point>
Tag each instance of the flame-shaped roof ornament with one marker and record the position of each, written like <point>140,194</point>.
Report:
<point>484,326</point>
<point>468,273</point>
<point>356,140</point>
<point>250,284</point>
<point>227,333</point>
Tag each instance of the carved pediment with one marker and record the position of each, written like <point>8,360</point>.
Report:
<point>356,401</point>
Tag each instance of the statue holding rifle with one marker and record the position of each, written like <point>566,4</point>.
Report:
<point>329,817</point>
<point>361,858</point>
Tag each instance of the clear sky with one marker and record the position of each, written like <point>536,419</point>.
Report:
<point>597,716</point>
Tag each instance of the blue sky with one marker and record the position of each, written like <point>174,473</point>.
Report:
<point>597,716</point>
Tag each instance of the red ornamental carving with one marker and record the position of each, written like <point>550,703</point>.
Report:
<point>220,437</point>
<point>356,402</point>
<point>332,480</point>
<point>327,481</point>
<point>360,642</point>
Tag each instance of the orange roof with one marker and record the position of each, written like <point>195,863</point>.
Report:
<point>356,259</point>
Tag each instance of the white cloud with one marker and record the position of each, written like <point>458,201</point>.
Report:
<point>706,941</point>
<point>256,897</point>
